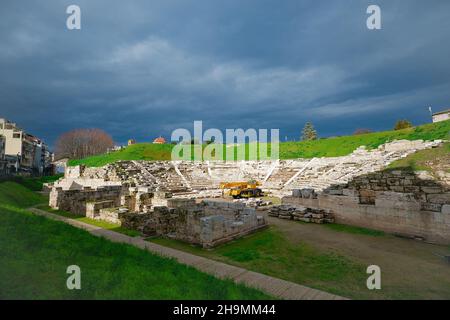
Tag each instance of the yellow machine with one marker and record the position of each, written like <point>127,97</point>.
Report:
<point>242,189</point>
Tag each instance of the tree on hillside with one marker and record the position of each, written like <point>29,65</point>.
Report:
<point>308,132</point>
<point>81,143</point>
<point>361,131</point>
<point>402,124</point>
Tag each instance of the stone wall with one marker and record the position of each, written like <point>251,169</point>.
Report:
<point>76,201</point>
<point>398,201</point>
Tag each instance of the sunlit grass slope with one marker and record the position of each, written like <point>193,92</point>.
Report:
<point>327,147</point>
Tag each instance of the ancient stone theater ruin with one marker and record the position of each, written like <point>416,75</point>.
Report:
<point>182,200</point>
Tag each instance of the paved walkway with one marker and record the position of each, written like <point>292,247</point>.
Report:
<point>273,286</point>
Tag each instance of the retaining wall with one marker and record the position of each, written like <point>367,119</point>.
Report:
<point>397,202</point>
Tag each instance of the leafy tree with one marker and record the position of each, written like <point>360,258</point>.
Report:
<point>309,133</point>
<point>402,124</point>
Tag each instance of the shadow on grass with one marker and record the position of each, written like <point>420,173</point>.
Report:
<point>354,230</point>
<point>271,253</point>
<point>102,224</point>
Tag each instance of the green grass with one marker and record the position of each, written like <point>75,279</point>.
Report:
<point>35,253</point>
<point>422,159</point>
<point>142,151</point>
<point>331,147</point>
<point>354,230</point>
<point>269,252</point>
<point>341,146</point>
<point>13,194</point>
<point>34,183</point>
<point>98,223</point>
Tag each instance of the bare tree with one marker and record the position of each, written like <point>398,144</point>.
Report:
<point>81,143</point>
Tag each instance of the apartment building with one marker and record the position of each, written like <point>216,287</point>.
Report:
<point>2,156</point>
<point>2,147</point>
<point>23,151</point>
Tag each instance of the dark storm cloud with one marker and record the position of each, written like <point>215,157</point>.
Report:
<point>143,68</point>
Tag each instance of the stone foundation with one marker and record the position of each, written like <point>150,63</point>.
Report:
<point>78,201</point>
<point>207,223</point>
<point>398,202</point>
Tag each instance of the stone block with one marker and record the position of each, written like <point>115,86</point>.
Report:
<point>336,192</point>
<point>426,206</point>
<point>176,203</point>
<point>407,182</point>
<point>397,188</point>
<point>440,198</point>
<point>396,196</point>
<point>376,187</point>
<point>350,192</point>
<point>393,182</point>
<point>412,189</point>
<point>367,193</point>
<point>307,193</point>
<point>446,209</point>
<point>397,200</point>
<point>249,211</point>
<point>431,189</point>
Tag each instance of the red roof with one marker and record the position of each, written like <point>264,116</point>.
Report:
<point>159,140</point>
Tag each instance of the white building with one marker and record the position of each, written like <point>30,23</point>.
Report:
<point>441,116</point>
<point>23,151</point>
<point>13,136</point>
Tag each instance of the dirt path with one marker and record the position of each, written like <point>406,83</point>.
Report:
<point>405,264</point>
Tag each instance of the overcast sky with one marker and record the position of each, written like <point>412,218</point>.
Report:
<point>140,69</point>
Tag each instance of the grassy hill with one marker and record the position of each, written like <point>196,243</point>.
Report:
<point>330,147</point>
<point>431,160</point>
<point>35,253</point>
<point>33,183</point>
<point>16,195</point>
